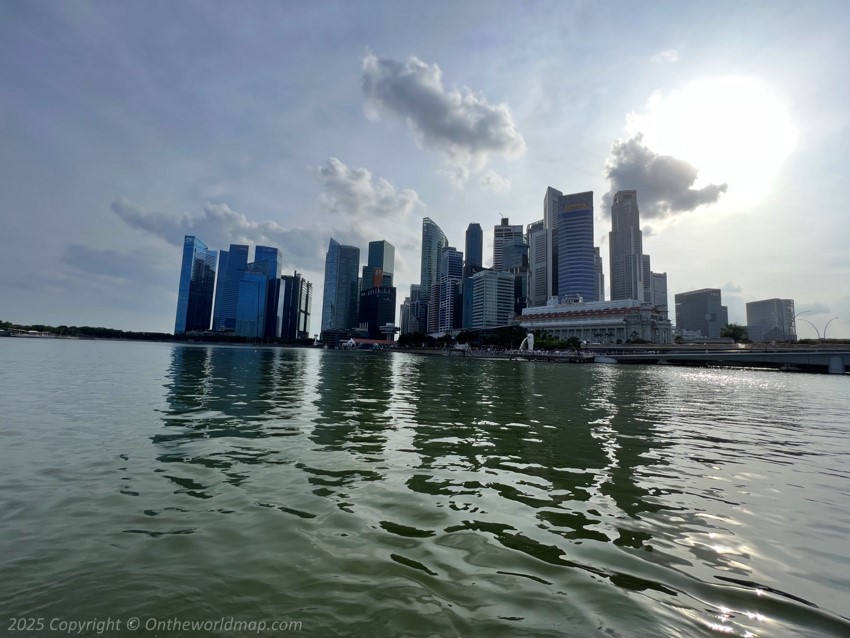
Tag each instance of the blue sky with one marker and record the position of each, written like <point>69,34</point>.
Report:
<point>125,125</point>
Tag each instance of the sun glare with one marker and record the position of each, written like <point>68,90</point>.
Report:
<point>734,130</point>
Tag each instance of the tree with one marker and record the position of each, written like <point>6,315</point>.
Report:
<point>735,332</point>
<point>573,343</point>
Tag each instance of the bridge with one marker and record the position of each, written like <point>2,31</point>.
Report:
<point>833,361</point>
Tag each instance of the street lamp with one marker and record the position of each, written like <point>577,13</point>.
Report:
<point>827,326</point>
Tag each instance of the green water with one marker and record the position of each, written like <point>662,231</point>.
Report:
<point>387,494</point>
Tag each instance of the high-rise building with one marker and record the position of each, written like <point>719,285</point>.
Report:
<point>377,308</point>
<point>537,264</point>
<point>625,245</point>
<point>600,275</point>
<point>251,305</point>
<point>646,273</point>
<point>658,297</point>
<point>492,299</point>
<point>409,320</point>
<point>433,242</point>
<point>550,221</point>
<point>231,266</point>
<point>474,250</point>
<point>576,266</point>
<point>503,235</point>
<point>771,320</point>
<point>197,281</point>
<point>701,311</point>
<point>378,271</point>
<point>451,272</point>
<point>340,295</point>
<point>297,297</point>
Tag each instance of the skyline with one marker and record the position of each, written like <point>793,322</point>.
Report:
<point>126,128</point>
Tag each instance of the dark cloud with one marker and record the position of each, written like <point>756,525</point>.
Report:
<point>219,226</point>
<point>664,184</point>
<point>353,191</point>
<point>816,308</point>
<point>459,123</point>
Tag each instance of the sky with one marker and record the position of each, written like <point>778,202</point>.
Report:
<point>126,125</point>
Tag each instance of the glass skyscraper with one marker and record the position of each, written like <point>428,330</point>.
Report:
<point>197,280</point>
<point>231,267</point>
<point>576,256</point>
<point>433,242</point>
<point>339,301</point>
<point>625,245</point>
<point>474,250</point>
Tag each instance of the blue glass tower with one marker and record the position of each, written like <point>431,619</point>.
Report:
<point>576,255</point>
<point>197,279</point>
<point>339,301</point>
<point>474,250</point>
<point>231,267</point>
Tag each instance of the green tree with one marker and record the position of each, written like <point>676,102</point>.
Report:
<point>735,332</point>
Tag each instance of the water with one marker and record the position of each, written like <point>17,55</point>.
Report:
<point>387,494</point>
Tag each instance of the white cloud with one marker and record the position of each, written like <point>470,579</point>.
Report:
<point>491,180</point>
<point>664,184</point>
<point>353,191</point>
<point>460,123</point>
<point>668,55</point>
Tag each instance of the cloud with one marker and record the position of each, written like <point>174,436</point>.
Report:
<point>219,226</point>
<point>816,308</point>
<point>460,123</point>
<point>732,288</point>
<point>668,55</point>
<point>491,180</point>
<point>664,184</point>
<point>353,191</point>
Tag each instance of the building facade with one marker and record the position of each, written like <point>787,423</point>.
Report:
<point>340,294</point>
<point>376,309</point>
<point>503,235</point>
<point>197,281</point>
<point>537,264</point>
<point>378,270</point>
<point>603,322</point>
<point>297,300</point>
<point>451,273</point>
<point>701,311</point>
<point>492,299</point>
<point>625,245</point>
<point>474,250</point>
<point>576,264</point>
<point>771,320</point>
<point>550,221</point>
<point>433,242</point>
<point>232,264</point>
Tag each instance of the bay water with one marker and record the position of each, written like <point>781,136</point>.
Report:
<point>324,493</point>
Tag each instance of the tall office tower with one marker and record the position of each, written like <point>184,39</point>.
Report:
<point>339,299</point>
<point>515,255</point>
<point>474,250</point>
<point>433,242</point>
<point>379,269</point>
<point>625,243</point>
<point>269,260</point>
<point>296,299</point>
<point>646,273</point>
<point>659,292</point>
<point>413,311</point>
<point>232,264</point>
<point>197,280</point>
<point>771,320</point>
<point>377,308</point>
<point>504,234</point>
<point>404,316</point>
<point>492,299</point>
<point>451,272</point>
<point>600,275</point>
<point>576,268</point>
<point>701,311</point>
<point>537,257</point>
<point>550,221</point>
<point>252,301</point>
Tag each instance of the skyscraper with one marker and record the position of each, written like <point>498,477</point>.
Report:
<point>297,296</point>
<point>701,311</point>
<point>433,242</point>
<point>339,300</point>
<point>504,234</point>
<point>771,320</point>
<point>576,267</point>
<point>550,221</point>
<point>232,264</point>
<point>474,250</point>
<point>378,270</point>
<point>537,264</point>
<point>492,299</point>
<point>451,272</point>
<point>600,275</point>
<point>625,243</point>
<point>197,280</point>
